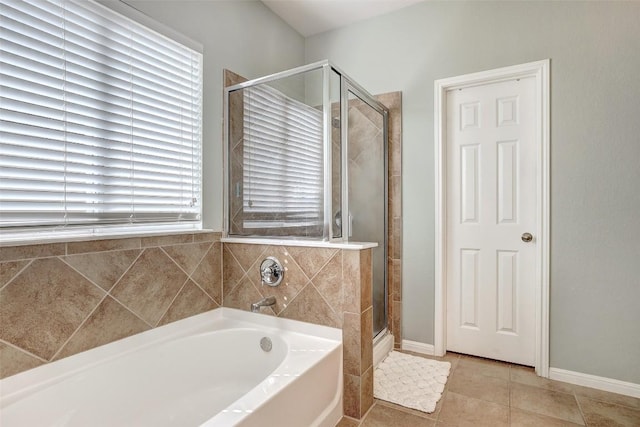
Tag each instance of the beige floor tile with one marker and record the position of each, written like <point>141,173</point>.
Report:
<point>605,396</point>
<point>546,402</point>
<point>386,416</point>
<point>489,368</point>
<point>347,422</point>
<point>529,419</point>
<point>605,414</point>
<point>452,358</point>
<point>433,415</point>
<point>458,410</point>
<point>467,383</point>
<point>528,376</point>
<point>483,392</point>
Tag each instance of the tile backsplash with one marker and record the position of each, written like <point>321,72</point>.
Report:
<point>315,287</point>
<point>59,299</point>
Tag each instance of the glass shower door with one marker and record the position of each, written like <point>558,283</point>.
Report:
<point>367,192</point>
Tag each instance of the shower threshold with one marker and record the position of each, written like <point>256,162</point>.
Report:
<point>382,346</point>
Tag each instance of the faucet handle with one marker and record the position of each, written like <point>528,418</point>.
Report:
<point>271,271</point>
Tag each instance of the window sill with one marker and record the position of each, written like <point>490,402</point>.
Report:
<point>46,238</point>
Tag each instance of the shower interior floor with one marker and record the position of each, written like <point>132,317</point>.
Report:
<point>485,392</point>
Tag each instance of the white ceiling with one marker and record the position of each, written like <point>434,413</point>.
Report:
<point>310,17</point>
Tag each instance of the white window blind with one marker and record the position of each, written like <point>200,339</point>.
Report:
<point>100,119</point>
<point>283,161</point>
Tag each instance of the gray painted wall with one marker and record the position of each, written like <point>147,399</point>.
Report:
<point>595,101</point>
<point>242,36</point>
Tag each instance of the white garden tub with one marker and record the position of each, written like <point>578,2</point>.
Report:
<point>207,370</point>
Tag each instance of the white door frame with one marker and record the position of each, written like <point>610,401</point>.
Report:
<point>540,71</point>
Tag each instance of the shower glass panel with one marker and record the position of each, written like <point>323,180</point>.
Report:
<point>276,158</point>
<point>336,155</point>
<point>367,180</point>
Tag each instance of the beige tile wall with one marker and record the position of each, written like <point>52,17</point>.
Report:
<point>393,101</point>
<point>330,287</point>
<point>63,298</point>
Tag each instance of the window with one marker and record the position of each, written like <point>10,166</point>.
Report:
<point>100,120</point>
<point>283,162</point>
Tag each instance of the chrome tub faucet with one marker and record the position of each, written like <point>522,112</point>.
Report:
<point>264,302</point>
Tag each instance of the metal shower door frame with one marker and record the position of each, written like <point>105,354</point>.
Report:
<point>346,85</point>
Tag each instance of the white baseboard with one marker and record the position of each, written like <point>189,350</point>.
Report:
<point>601,383</point>
<point>418,347</point>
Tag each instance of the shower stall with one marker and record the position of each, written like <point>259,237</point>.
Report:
<point>306,159</point>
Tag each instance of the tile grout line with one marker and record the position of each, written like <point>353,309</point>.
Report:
<point>22,350</point>
<point>164,313</point>
<point>287,253</point>
<point>293,298</point>
<point>602,400</point>
<point>338,251</point>
<point>584,420</point>
<point>75,331</point>
<point>325,299</point>
<point>125,247</point>
<point>126,270</point>
<point>30,261</point>
<point>202,289</point>
<point>131,311</point>
<point>84,275</point>
<point>244,273</point>
<point>322,266</point>
<point>251,264</point>
<point>202,257</point>
<point>245,276</point>
<point>189,278</point>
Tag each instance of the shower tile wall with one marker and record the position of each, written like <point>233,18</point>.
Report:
<point>330,287</point>
<point>236,150</point>
<point>393,101</point>
<point>63,298</point>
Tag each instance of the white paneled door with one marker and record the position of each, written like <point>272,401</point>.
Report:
<point>491,220</point>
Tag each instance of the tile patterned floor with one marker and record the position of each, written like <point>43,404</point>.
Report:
<point>482,392</point>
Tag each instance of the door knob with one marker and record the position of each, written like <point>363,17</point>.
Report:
<point>526,237</point>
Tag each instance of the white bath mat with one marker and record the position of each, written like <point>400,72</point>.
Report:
<point>410,381</point>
